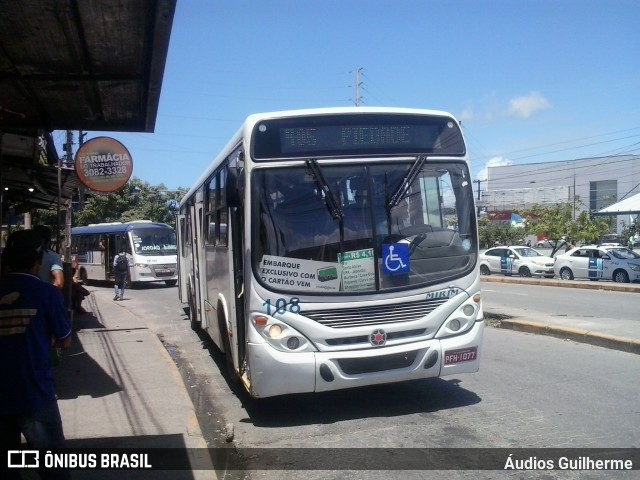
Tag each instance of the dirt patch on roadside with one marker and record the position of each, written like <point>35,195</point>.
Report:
<point>493,319</point>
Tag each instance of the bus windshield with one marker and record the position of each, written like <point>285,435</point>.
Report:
<point>153,241</point>
<point>385,234</point>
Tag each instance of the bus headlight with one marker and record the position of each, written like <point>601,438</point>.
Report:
<point>280,335</point>
<point>462,319</point>
<point>455,324</point>
<point>274,331</point>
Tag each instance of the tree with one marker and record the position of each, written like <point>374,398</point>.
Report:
<point>498,234</point>
<point>557,224</point>
<point>137,200</point>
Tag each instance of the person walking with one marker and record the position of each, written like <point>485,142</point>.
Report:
<point>120,271</point>
<point>33,318</point>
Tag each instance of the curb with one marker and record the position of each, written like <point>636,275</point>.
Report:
<point>574,334</point>
<point>589,285</point>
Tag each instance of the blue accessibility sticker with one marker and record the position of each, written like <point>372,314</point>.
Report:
<point>395,258</point>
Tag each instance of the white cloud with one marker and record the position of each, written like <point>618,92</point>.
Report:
<point>493,162</point>
<point>466,115</point>
<point>526,106</point>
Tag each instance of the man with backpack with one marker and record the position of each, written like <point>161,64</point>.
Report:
<point>120,271</point>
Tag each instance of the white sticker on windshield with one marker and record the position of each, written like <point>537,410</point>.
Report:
<point>299,274</point>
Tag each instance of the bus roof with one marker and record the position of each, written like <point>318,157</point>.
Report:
<point>249,123</point>
<point>117,227</point>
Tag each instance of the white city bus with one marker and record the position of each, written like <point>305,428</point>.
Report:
<point>334,248</point>
<point>151,246</point>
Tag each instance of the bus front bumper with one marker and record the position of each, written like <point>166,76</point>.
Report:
<point>278,373</point>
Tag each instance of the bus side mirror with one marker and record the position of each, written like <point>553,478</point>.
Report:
<point>234,187</point>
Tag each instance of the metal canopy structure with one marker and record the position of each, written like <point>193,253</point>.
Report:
<point>73,65</point>
<point>628,206</point>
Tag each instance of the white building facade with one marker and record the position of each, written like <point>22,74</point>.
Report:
<point>589,184</point>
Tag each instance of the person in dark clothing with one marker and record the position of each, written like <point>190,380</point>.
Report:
<point>120,271</point>
<point>33,318</point>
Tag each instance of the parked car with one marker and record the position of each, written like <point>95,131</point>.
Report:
<point>610,240</point>
<point>597,261</point>
<point>543,244</point>
<point>516,260</point>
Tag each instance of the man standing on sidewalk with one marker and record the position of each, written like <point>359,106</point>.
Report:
<point>32,319</point>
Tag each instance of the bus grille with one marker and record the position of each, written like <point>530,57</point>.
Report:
<point>374,315</point>
<point>168,270</point>
<point>356,366</point>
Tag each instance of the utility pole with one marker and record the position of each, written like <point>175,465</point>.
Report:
<point>68,149</point>
<point>478,205</point>
<point>81,190</point>
<point>358,99</point>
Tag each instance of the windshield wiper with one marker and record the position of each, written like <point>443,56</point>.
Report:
<point>412,174</point>
<point>329,198</point>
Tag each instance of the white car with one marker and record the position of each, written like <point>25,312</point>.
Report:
<point>516,260</point>
<point>595,262</point>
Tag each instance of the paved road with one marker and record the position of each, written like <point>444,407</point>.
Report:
<point>531,391</point>
<point>619,329</point>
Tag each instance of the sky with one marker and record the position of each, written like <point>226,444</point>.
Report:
<point>531,81</point>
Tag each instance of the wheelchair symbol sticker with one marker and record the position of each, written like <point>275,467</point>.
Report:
<point>395,258</point>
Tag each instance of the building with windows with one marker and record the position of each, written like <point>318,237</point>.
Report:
<point>589,184</point>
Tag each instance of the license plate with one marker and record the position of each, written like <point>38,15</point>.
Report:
<point>163,270</point>
<point>462,355</point>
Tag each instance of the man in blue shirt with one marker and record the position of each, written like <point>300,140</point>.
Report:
<point>51,270</point>
<point>32,320</point>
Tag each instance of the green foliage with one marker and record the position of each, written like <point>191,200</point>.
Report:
<point>494,234</point>
<point>556,223</point>
<point>137,200</point>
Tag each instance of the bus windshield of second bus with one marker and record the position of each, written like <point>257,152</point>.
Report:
<point>152,241</point>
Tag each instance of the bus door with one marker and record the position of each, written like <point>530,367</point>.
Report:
<point>111,248</point>
<point>198,242</point>
<point>182,234</point>
<point>236,245</point>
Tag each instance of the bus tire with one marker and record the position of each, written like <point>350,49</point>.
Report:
<point>195,323</point>
<point>226,345</point>
<point>170,283</point>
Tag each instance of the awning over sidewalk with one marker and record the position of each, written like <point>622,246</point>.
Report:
<point>73,65</point>
<point>628,206</point>
<point>83,65</point>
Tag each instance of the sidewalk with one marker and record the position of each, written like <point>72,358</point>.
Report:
<point>625,337</point>
<point>119,388</point>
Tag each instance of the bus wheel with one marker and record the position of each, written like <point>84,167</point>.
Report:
<point>170,283</point>
<point>193,311</point>
<point>228,357</point>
